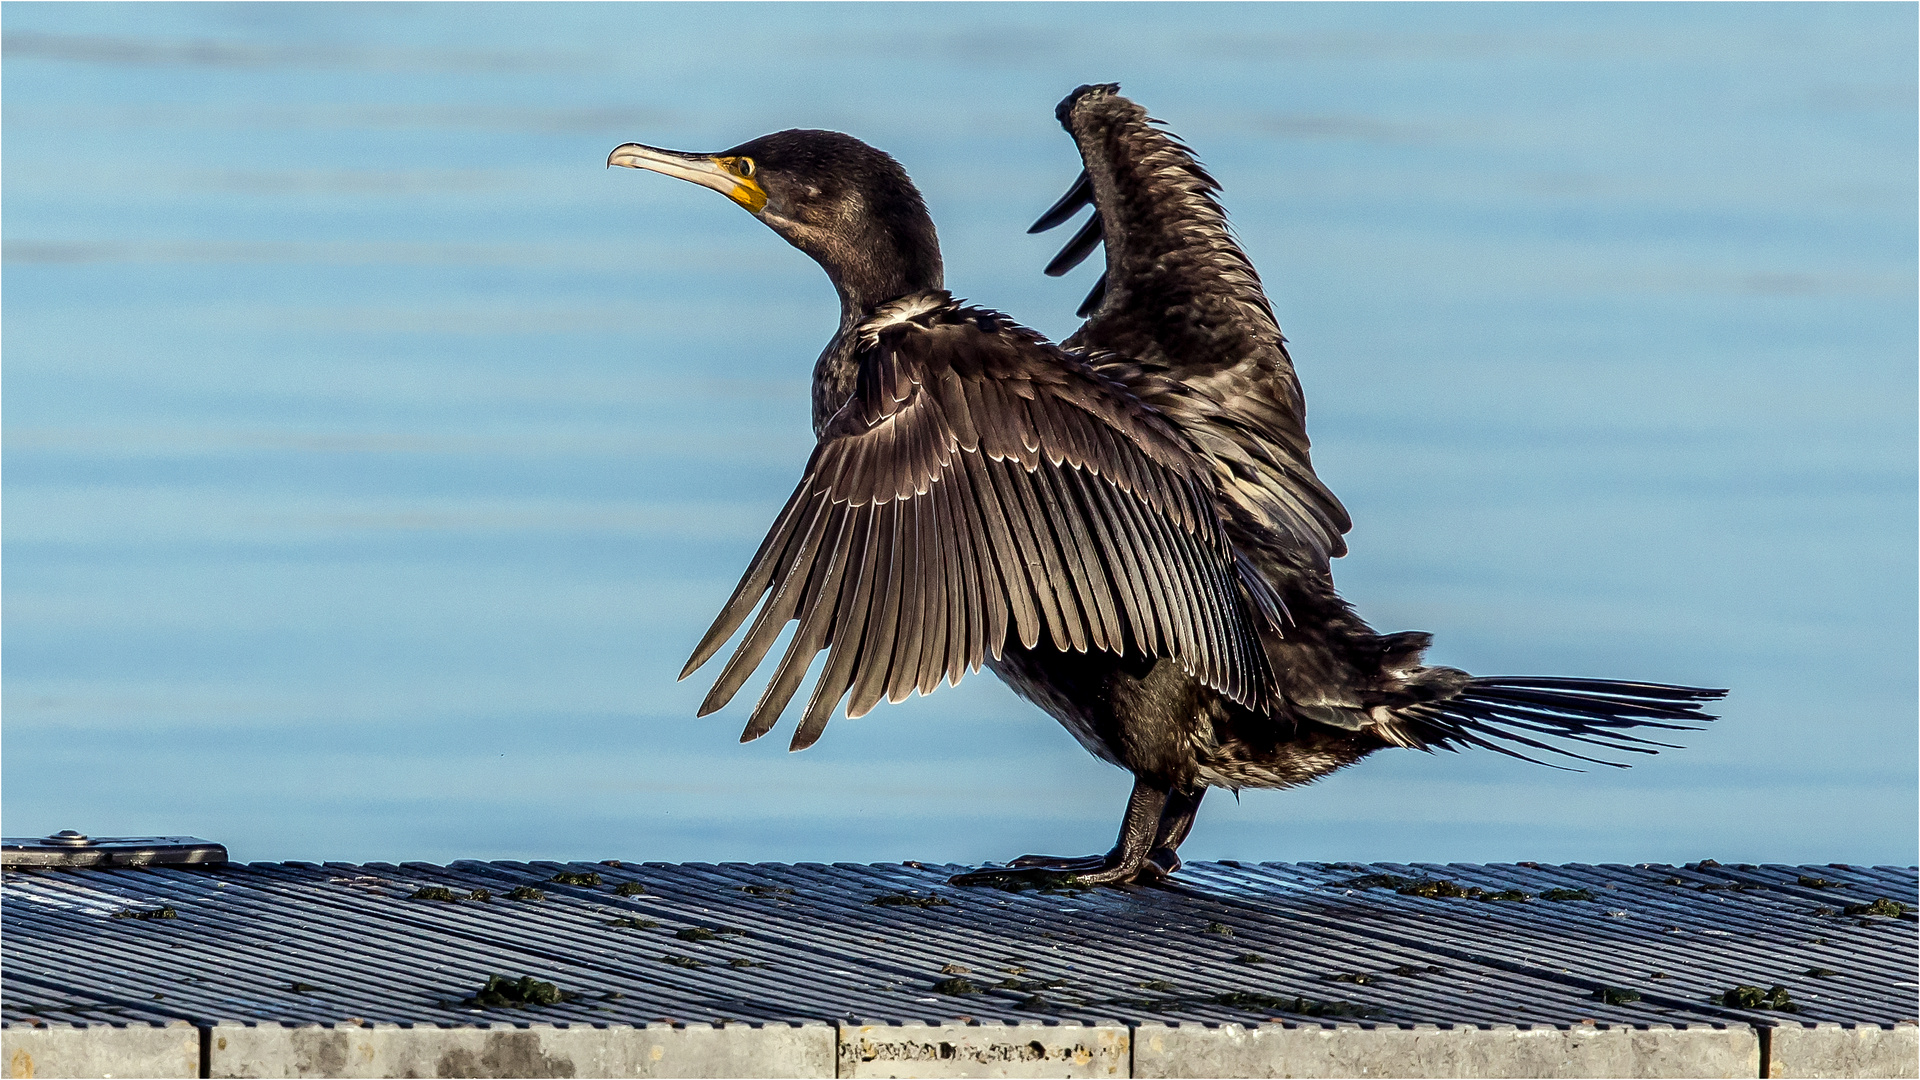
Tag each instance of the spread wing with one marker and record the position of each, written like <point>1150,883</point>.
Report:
<point>1182,303</point>
<point>981,483</point>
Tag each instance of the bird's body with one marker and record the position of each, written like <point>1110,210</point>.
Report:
<point>1126,528</point>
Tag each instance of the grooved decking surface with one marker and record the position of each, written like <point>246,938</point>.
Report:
<point>301,943</point>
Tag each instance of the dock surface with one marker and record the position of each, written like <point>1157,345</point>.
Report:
<point>626,968</point>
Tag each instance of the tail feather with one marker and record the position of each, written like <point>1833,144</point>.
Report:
<point>1466,717</point>
<point>1548,724</point>
<point>1619,687</point>
<point>1599,709</point>
<point>1446,733</point>
<point>1487,712</point>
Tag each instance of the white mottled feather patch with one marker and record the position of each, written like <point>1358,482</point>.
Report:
<point>896,312</point>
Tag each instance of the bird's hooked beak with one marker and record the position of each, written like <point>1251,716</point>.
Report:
<point>730,176</point>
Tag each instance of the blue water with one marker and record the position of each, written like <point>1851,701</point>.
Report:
<point>374,456</point>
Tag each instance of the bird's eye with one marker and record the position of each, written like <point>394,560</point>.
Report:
<point>743,166</point>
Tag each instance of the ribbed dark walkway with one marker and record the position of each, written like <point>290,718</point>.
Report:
<point>646,942</point>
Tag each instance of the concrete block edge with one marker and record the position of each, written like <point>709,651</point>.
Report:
<point>1827,1049</point>
<point>537,1048</point>
<point>1031,1048</point>
<point>57,1049</point>
<point>533,1025</point>
<point>1169,1051</point>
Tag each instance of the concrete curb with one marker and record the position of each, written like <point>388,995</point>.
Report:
<point>1425,1050</point>
<point>968,1050</point>
<point>99,1050</point>
<point>538,1050</point>
<point>1823,1050</point>
<point>231,1049</point>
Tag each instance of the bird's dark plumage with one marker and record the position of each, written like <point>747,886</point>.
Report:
<point>1125,527</point>
<point>979,486</point>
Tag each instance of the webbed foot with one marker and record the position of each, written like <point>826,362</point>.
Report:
<point>1053,872</point>
<point>1069,863</point>
<point>1150,837</point>
<point>1019,879</point>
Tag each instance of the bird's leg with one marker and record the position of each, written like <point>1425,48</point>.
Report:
<point>1139,832</point>
<point>1176,821</point>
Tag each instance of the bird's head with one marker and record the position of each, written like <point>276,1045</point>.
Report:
<point>849,206</point>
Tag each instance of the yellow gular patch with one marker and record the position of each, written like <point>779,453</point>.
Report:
<point>748,194</point>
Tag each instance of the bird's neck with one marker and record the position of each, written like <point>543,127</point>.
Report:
<point>881,274</point>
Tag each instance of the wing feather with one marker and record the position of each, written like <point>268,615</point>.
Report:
<point>1206,615</point>
<point>1122,563</point>
<point>1070,631</point>
<point>1180,316</point>
<point>980,488</point>
<point>1077,196</point>
<point>1095,296</point>
<point>902,676</point>
<point>772,616</point>
<point>1077,249</point>
<point>816,615</point>
<point>983,590</point>
<point>1026,551</point>
<point>1009,568</point>
<point>857,592</point>
<point>963,589</point>
<point>937,593</point>
<point>1151,536</point>
<point>876,651</point>
<point>1156,633</point>
<point>758,579</point>
<point>1089,582</point>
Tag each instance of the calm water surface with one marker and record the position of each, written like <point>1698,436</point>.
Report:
<point>374,456</point>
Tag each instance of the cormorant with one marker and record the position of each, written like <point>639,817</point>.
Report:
<point>1125,527</point>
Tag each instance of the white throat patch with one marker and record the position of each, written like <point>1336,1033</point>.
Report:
<point>903,310</point>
